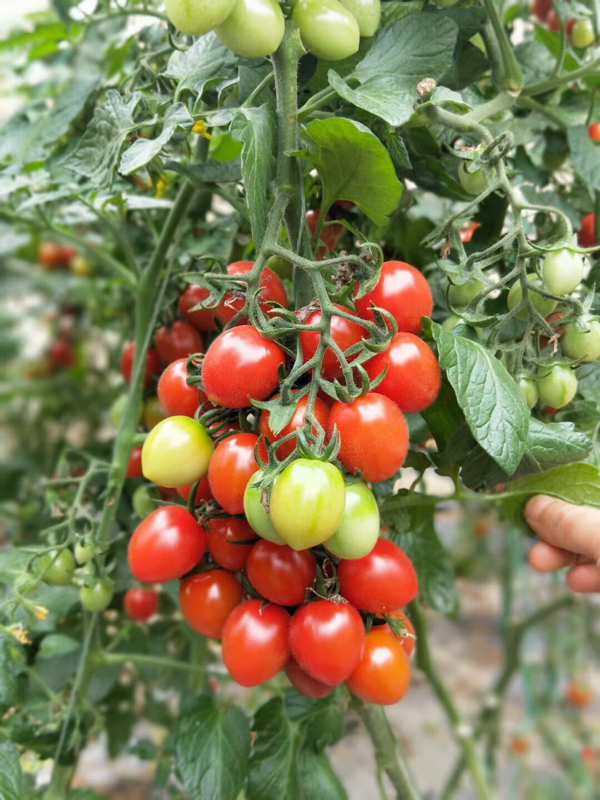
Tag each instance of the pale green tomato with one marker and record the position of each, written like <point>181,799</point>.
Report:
<point>541,304</point>
<point>280,266</point>
<point>463,294</point>
<point>558,386</point>
<point>327,29</point>
<point>97,597</point>
<point>451,322</point>
<point>581,341</point>
<point>153,412</point>
<point>176,452</point>
<point>257,517</point>
<point>307,503</point>
<point>83,553</point>
<point>562,271</point>
<point>57,567</point>
<point>528,390</point>
<point>582,33</point>
<point>118,409</point>
<point>198,16</point>
<point>367,13</point>
<point>472,182</point>
<point>144,500</point>
<point>254,28</point>
<point>359,529</point>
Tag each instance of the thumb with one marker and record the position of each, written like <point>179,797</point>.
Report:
<point>573,528</point>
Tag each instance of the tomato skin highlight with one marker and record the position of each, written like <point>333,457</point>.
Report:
<point>587,233</point>
<point>255,642</point>
<point>358,531</point>
<point>165,545</point>
<point>176,452</point>
<point>221,535</point>
<point>152,364</point>
<point>203,319</point>
<point>383,673</point>
<point>140,604</point>
<point>272,289</point>
<point>320,412</point>
<point>134,465</point>
<point>179,341</point>
<point>207,599</point>
<point>403,291</point>
<point>304,683</point>
<point>231,467</point>
<point>175,395</point>
<point>344,333</point>
<point>280,574</point>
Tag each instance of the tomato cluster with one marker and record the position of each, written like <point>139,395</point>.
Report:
<point>580,31</point>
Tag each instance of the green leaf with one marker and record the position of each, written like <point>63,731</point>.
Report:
<point>57,644</point>
<point>353,165</point>
<point>391,12</point>
<point>443,416</point>
<point>10,772</point>
<point>586,155</point>
<point>318,778</point>
<point>8,677</point>
<point>274,761</point>
<point>322,719</point>
<point>211,172</point>
<point>213,746</point>
<point>142,151</point>
<point>207,60</point>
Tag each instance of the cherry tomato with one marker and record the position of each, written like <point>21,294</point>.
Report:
<point>253,29</point>
<point>240,364</point>
<point>320,412</point>
<point>52,255</point>
<point>255,513</point>
<point>587,232</point>
<point>203,492</point>
<point>327,29</point>
<point>357,533</point>
<point>57,567</point>
<point>202,318</point>
<point>84,553</point>
<point>528,390</point>
<point>179,341</point>
<point>222,536</point>
<point>326,638</point>
<point>152,364</point>
<point>373,433</point>
<point>474,182</point>
<point>594,131</point>
<point>344,333</point>
<point>272,289</point>
<point>61,353</point>
<point>98,596</point>
<point>366,12</point>
<point>380,582</point>
<point>562,270</point>
<point>403,292</point>
<point>166,545</point>
<point>541,9</point>
<point>153,412</point>
<point>383,673</point>
<point>559,330</point>
<point>303,683</point>
<point>466,234</point>
<point>140,604</point>
<point>462,295</point>
<point>406,642</point>
<point>230,469</point>
<point>279,573</point>
<point>255,642</point>
<point>330,234</point>
<point>208,599</point>
<point>541,304</point>
<point>582,33</point>
<point>175,395</point>
<point>557,386</point>
<point>413,376</point>
<point>554,25</point>
<point>200,17</point>
<point>578,695</point>
<point>144,500</point>
<point>520,745</point>
<point>134,465</point>
<point>176,452</point>
<point>581,340</point>
<point>81,266</point>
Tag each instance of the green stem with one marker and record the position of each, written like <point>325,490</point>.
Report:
<point>510,75</point>
<point>533,105</point>
<point>60,782</point>
<point>541,87</point>
<point>163,662</point>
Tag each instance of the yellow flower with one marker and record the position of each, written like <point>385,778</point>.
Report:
<point>40,612</point>
<point>161,185</point>
<point>201,129</point>
<point>20,634</point>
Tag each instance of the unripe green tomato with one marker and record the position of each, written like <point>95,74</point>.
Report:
<point>254,28</point>
<point>558,386</point>
<point>280,266</point>
<point>327,29</point>
<point>198,16</point>
<point>562,270</point>
<point>582,33</point>
<point>528,390</point>
<point>257,517</point>
<point>463,294</point>
<point>96,597</point>
<point>472,182</point>
<point>367,14</point>
<point>176,452</point>
<point>307,503</point>
<point>83,553</point>
<point>57,569</point>
<point>153,412</point>
<point>541,304</point>
<point>144,500</point>
<point>451,322</point>
<point>581,341</point>
<point>118,409</point>
<point>358,531</point>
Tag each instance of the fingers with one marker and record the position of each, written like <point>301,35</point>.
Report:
<point>564,526</point>
<point>584,578</point>
<point>545,557</point>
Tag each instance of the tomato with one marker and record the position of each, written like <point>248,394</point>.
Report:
<point>474,182</point>
<point>406,638</point>
<point>327,29</point>
<point>554,25</point>
<point>176,452</point>
<point>344,333</point>
<point>222,536</point>
<point>57,567</point>
<point>366,12</point>
<point>582,33</point>
<point>153,412</point>
<point>279,573</point>
<point>578,695</point>
<point>84,553</point>
<point>451,322</point>
<point>562,271</point>
<point>358,531</point>
<point>383,673</point>
<point>152,364</point>
<point>402,291</point>
<point>587,232</point>
<point>413,376</point>
<point>307,503</point>
<point>134,465</point>
<point>175,395</point>
<point>326,638</point>
<point>280,266</point>
<point>200,17</point>
<point>559,329</point>
<point>166,545</point>
<point>203,492</point>
<point>462,295</point>
<point>304,683</point>
<point>61,353</point>
<point>542,305</point>
<point>330,234</point>
<point>208,599</point>
<point>240,364</point>
<point>558,386</point>
<point>140,604</point>
<point>541,9</point>
<point>144,500</point>
<point>202,318</point>
<point>255,642</point>
<point>98,596</point>
<point>519,745</point>
<point>581,340</point>
<point>231,467</point>
<point>179,341</point>
<point>594,131</point>
<point>320,412</point>
<point>80,266</point>
<point>253,29</point>
<point>380,582</point>
<point>466,234</point>
<point>528,390</point>
<point>255,513</point>
<point>373,433</point>
<point>271,289</point>
<point>53,255</point>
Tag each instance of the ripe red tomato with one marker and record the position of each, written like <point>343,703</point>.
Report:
<point>320,411</point>
<point>466,234</point>
<point>578,695</point>
<point>140,604</point>
<point>343,332</point>
<point>52,255</point>
<point>382,674</point>
<point>594,131</point>
<point>326,639</point>
<point>255,642</point>
<point>407,643</point>
<point>203,318</point>
<point>403,291</point>
<point>380,582</point>
<point>413,376</point>
<point>330,234</point>
<point>207,599</point>
<point>165,545</point>
<point>541,9</point>
<point>203,492</point>
<point>152,364</point>
<point>221,538</point>
<point>61,353</point>
<point>374,436</point>
<point>280,574</point>
<point>231,467</point>
<point>272,289</point>
<point>303,683</point>
<point>134,465</point>
<point>178,341</point>
<point>587,233</point>
<point>176,396</point>
<point>239,364</point>
<point>552,22</point>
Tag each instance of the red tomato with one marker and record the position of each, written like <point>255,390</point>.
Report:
<point>165,545</point>
<point>152,364</point>
<point>320,411</point>
<point>594,131</point>
<point>403,291</point>
<point>330,234</point>
<point>240,364</point>
<point>407,643</point>
<point>374,436</point>
<point>326,639</point>
<point>167,492</point>
<point>382,674</point>
<point>221,538</point>
<point>203,492</point>
<point>413,376</point>
<point>345,205</point>
<point>176,396</point>
<point>280,574</point>
<point>552,22</point>
<point>203,318</point>
<point>255,642</point>
<point>134,465</point>
<point>231,467</point>
<point>271,289</point>
<point>61,353</point>
<point>178,341</point>
<point>140,604</point>
<point>344,333</point>
<point>207,599</point>
<point>578,695</point>
<point>52,255</point>
<point>587,233</point>
<point>541,9</point>
<point>303,683</point>
<point>466,234</point>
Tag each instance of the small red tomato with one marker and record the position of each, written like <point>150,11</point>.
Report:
<point>231,467</point>
<point>52,255</point>
<point>345,205</point>
<point>519,745</point>
<point>176,396</point>
<point>320,412</point>
<point>203,492</point>
<point>271,289</point>
<point>330,234</point>
<point>383,673</point>
<point>406,642</point>
<point>303,683</point>
<point>179,341</point>
<point>541,9</point>
<point>466,234</point>
<point>61,353</point>
<point>594,131</point>
<point>222,536</point>
<point>134,465</point>
<point>553,24</point>
<point>587,232</point>
<point>255,642</point>
<point>380,582</point>
<point>207,599</point>
<point>140,604</point>
<point>152,364</point>
<point>203,318</point>
<point>280,574</point>
<point>344,333</point>
<point>578,695</point>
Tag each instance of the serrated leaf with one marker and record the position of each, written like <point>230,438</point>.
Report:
<point>142,151</point>
<point>208,59</point>
<point>10,772</point>
<point>274,761</point>
<point>211,172</point>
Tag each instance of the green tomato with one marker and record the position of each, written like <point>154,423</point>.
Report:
<point>83,553</point>
<point>358,531</point>
<point>463,294</point>
<point>57,567</point>
<point>254,28</point>
<point>96,597</point>
<point>280,266</point>
<point>367,13</point>
<point>327,29</point>
<point>257,517</point>
<point>118,409</point>
<point>528,390</point>
<point>451,322</point>
<point>541,304</point>
<point>581,340</point>
<point>176,452</point>
<point>144,500</point>
<point>562,270</point>
<point>558,386</point>
<point>582,33</point>
<point>307,503</point>
<point>153,412</point>
<point>472,182</point>
<point>198,16</point>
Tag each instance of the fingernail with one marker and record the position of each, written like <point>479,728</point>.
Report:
<point>536,507</point>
